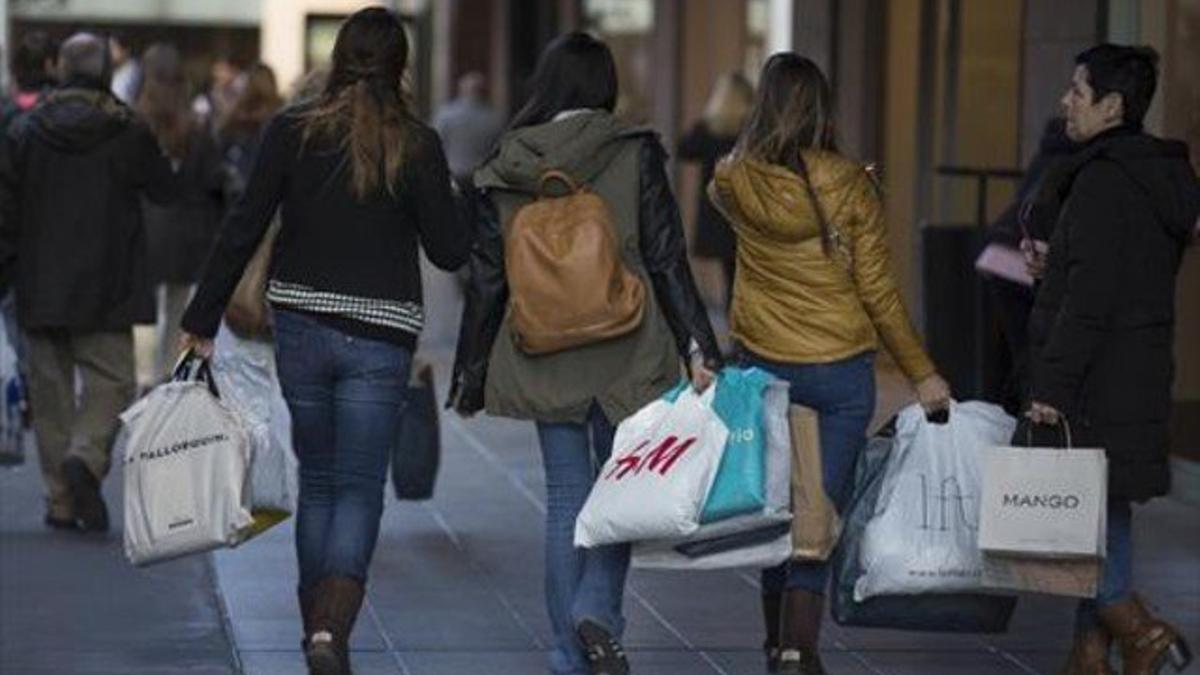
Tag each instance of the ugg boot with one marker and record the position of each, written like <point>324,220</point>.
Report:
<point>1089,653</point>
<point>771,603</point>
<point>800,632</point>
<point>337,601</point>
<point>1146,643</point>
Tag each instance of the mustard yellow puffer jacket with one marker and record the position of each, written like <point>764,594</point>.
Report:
<point>793,302</point>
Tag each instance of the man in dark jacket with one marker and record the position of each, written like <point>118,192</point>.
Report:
<point>1101,332</point>
<point>72,174</point>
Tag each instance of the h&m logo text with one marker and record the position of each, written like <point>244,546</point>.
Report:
<point>661,458</point>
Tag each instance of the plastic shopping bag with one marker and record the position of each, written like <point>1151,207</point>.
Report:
<point>922,538</point>
<point>12,404</point>
<point>744,540</point>
<point>939,612</point>
<point>662,467</point>
<point>740,483</point>
<point>186,462</point>
<point>244,370</point>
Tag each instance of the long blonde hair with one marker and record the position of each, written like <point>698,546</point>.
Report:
<point>364,108</point>
<point>729,105</point>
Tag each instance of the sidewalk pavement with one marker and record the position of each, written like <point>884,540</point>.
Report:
<point>457,589</point>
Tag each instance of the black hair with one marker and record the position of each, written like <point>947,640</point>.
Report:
<point>574,71</point>
<point>1131,72</point>
<point>29,59</point>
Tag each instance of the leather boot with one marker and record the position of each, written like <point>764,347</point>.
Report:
<point>772,602</point>
<point>1089,653</point>
<point>1146,643</point>
<point>307,601</point>
<point>800,632</point>
<point>336,604</point>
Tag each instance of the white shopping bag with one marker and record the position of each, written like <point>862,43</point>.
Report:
<point>12,404</point>
<point>244,370</point>
<point>922,538</point>
<point>654,484</point>
<point>666,554</point>
<point>1045,502</point>
<point>186,459</point>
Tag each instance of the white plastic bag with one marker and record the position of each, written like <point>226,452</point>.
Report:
<point>246,377</point>
<point>663,554</point>
<point>654,484</point>
<point>922,538</point>
<point>12,404</point>
<point>186,458</point>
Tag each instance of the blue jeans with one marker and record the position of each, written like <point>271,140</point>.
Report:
<point>843,394</point>
<point>1116,580</point>
<point>580,583</point>
<point>345,395</point>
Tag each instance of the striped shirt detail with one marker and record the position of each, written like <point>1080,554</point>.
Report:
<point>395,314</point>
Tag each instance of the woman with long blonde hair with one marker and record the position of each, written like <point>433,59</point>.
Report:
<point>710,139</point>
<point>813,292</point>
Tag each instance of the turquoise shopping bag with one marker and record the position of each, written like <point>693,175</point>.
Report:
<point>738,488</point>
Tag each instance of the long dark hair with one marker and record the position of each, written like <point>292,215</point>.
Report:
<point>364,107</point>
<point>793,112</point>
<point>163,101</point>
<point>574,71</point>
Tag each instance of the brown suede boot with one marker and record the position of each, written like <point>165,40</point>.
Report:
<point>1089,653</point>
<point>307,600</point>
<point>800,632</point>
<point>771,609</point>
<point>336,604</point>
<point>1146,643</point>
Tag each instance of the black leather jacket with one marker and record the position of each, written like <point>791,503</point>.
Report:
<point>664,252</point>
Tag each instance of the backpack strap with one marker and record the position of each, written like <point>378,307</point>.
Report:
<point>556,175</point>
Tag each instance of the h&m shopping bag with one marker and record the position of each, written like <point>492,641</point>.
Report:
<point>922,538</point>
<point>662,467</point>
<point>940,612</point>
<point>186,462</point>
<point>1045,502</point>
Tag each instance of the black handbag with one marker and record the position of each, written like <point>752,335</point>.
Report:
<point>417,452</point>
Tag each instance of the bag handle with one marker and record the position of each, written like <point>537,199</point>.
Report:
<point>191,367</point>
<point>556,175</point>
<point>1066,427</point>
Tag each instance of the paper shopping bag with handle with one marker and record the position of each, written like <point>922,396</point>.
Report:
<point>1045,502</point>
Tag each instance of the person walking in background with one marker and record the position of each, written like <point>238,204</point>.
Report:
<point>240,131</point>
<point>1102,325</point>
<point>814,289</point>
<point>362,185</point>
<point>32,67</point>
<point>469,127</point>
<point>706,142</point>
<point>577,396</point>
<point>127,72</point>
<point>71,183</point>
<point>225,82</point>
<point>180,234</point>
<point>1010,285</point>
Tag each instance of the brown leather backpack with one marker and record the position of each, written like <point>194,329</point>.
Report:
<point>567,284</point>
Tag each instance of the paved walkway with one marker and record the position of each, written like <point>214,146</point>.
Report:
<point>457,590</point>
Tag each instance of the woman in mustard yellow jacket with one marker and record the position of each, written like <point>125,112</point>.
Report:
<point>813,297</point>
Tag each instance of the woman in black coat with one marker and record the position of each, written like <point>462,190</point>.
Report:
<point>707,142</point>
<point>179,234</point>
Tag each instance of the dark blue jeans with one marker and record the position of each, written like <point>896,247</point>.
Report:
<point>843,394</point>
<point>580,583</point>
<point>345,395</point>
<point>1116,573</point>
